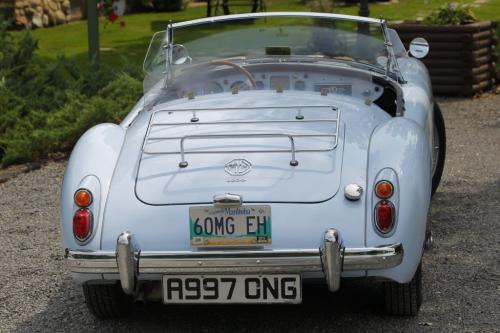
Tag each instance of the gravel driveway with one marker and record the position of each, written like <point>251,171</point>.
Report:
<point>461,273</point>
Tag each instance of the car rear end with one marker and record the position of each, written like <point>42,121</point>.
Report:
<point>227,209</point>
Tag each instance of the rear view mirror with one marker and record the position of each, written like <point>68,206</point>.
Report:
<point>180,55</point>
<point>419,48</point>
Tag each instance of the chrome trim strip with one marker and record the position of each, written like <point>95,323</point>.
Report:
<point>274,14</point>
<point>369,258</point>
<point>232,122</point>
<point>292,260</point>
<point>159,138</point>
<point>234,254</point>
<point>255,265</point>
<point>249,108</point>
<point>244,122</point>
<point>243,151</point>
<point>91,262</point>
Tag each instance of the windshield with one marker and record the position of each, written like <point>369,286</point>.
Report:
<point>245,39</point>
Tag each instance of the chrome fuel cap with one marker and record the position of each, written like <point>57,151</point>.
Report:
<point>353,192</point>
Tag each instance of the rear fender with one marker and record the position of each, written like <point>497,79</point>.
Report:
<point>90,166</point>
<point>400,146</point>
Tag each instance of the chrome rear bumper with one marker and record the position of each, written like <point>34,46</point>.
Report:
<point>331,258</point>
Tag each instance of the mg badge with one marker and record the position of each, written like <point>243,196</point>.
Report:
<point>238,167</point>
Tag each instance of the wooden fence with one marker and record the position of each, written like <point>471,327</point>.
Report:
<point>462,58</point>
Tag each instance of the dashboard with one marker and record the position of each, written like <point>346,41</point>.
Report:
<point>322,83</point>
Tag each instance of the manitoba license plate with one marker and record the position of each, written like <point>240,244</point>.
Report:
<point>268,288</point>
<point>244,225</point>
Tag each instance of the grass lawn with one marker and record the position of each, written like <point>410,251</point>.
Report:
<point>127,45</point>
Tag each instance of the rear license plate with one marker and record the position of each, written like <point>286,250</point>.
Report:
<point>245,225</point>
<point>268,288</point>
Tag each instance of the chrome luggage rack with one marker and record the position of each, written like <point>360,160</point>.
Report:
<point>195,121</point>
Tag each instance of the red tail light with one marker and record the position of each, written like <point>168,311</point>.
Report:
<point>384,216</point>
<point>82,224</point>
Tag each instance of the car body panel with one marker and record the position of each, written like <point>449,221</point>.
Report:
<point>354,151</point>
<point>93,157</point>
<point>402,137</point>
<point>271,178</point>
<point>150,195</point>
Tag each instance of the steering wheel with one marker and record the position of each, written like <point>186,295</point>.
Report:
<point>238,67</point>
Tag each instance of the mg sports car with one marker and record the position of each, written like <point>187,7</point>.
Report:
<point>269,150</point>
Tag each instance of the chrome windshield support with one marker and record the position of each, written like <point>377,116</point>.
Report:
<point>392,63</point>
<point>168,48</point>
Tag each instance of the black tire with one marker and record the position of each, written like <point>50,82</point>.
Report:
<point>441,136</point>
<point>107,300</point>
<point>404,299</point>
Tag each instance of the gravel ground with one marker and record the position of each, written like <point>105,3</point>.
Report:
<point>461,275</point>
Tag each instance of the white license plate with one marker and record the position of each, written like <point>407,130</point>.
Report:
<point>268,288</point>
<point>244,225</point>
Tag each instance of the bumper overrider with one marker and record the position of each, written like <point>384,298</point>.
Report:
<point>332,258</point>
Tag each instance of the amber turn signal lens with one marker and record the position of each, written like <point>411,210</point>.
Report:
<point>384,189</point>
<point>83,198</point>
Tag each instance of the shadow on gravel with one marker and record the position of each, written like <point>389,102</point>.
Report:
<point>466,213</point>
<point>358,306</point>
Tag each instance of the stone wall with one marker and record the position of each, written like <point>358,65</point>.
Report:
<point>6,9</point>
<point>41,13</point>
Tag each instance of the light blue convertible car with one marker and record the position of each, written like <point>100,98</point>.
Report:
<point>269,150</point>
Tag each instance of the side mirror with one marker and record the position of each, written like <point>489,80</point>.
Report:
<point>180,55</point>
<point>419,48</point>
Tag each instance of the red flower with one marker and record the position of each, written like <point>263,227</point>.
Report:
<point>112,17</point>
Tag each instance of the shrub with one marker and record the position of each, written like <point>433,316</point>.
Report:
<point>451,13</point>
<point>64,126</point>
<point>46,106</point>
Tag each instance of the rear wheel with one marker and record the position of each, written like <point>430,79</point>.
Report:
<point>107,300</point>
<point>438,148</point>
<point>404,299</point>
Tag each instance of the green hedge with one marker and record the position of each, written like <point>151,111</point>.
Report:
<point>46,105</point>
